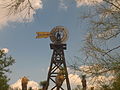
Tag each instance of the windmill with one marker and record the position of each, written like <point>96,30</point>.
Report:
<point>57,73</point>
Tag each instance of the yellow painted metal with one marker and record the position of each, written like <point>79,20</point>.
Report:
<point>42,34</point>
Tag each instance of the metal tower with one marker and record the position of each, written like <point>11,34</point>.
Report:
<point>57,73</point>
<point>58,70</point>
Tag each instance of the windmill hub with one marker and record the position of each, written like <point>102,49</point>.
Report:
<point>59,34</point>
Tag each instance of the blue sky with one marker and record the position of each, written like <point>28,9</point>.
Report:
<point>33,55</point>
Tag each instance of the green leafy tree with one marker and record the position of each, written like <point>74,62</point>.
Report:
<point>5,62</point>
<point>43,84</point>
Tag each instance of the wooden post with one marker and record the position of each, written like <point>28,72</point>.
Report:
<point>24,83</point>
<point>92,88</point>
<point>84,85</point>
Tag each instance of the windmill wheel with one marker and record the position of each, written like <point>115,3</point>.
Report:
<point>59,34</point>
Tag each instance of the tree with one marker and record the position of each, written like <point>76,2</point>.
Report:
<point>30,88</point>
<point>19,8</point>
<point>43,84</point>
<point>5,62</point>
<point>104,32</point>
<point>102,42</point>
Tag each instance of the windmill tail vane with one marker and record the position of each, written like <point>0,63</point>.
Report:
<point>43,34</point>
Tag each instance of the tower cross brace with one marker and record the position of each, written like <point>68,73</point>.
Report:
<point>58,70</point>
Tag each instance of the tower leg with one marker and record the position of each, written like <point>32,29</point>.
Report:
<point>58,70</point>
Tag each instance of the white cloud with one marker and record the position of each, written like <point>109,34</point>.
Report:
<point>96,82</point>
<point>100,80</point>
<point>6,50</point>
<point>87,2</point>
<point>62,5</point>
<point>74,79</point>
<point>17,85</point>
<point>18,17</point>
